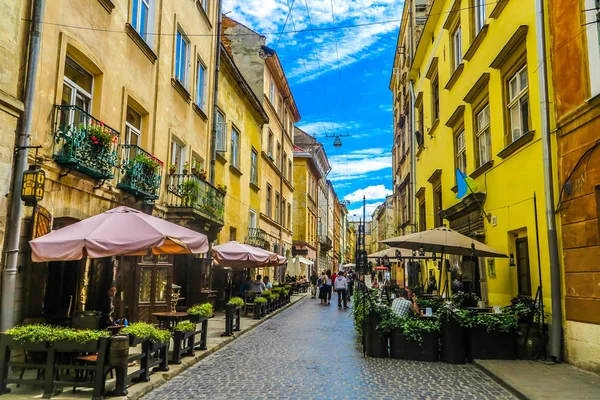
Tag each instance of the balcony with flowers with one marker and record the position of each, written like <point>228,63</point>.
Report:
<point>140,172</point>
<point>84,143</point>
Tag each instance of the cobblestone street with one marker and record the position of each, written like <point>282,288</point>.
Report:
<point>310,351</point>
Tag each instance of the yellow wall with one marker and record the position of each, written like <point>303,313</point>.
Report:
<point>512,181</point>
<point>304,208</point>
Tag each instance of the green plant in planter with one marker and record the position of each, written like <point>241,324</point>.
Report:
<point>434,304</point>
<point>260,300</point>
<point>449,311</point>
<point>413,328</point>
<point>389,319</point>
<point>190,192</point>
<point>144,330</point>
<point>238,301</point>
<point>185,326</point>
<point>275,295</point>
<point>462,299</point>
<point>285,292</point>
<point>524,307</point>
<point>204,310</point>
<point>363,305</point>
<point>288,287</point>
<point>494,323</point>
<point>276,289</point>
<point>48,333</point>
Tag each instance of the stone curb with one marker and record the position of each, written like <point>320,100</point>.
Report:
<point>512,389</point>
<point>157,380</point>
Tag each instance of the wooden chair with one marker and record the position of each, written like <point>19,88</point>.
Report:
<point>249,302</point>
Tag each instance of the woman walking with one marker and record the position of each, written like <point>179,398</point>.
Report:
<point>323,288</point>
<point>328,286</point>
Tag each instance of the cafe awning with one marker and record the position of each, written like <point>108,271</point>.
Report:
<point>243,256</point>
<point>120,231</point>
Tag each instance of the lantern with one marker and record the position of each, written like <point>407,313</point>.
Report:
<point>32,190</point>
<point>337,142</point>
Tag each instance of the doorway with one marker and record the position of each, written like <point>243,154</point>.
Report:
<point>523,270</point>
<point>154,275</point>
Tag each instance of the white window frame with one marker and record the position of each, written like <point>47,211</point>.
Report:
<point>221,128</point>
<point>182,155</point>
<point>269,201</point>
<point>457,47</point>
<point>129,130</point>
<point>272,92</point>
<point>480,15</point>
<point>252,219</point>
<point>182,59</point>
<point>136,19</point>
<point>270,138</point>
<point>78,92</point>
<point>200,85</point>
<point>254,167</point>
<point>461,151</point>
<point>204,5</point>
<point>290,169</point>
<point>593,43</point>
<point>280,107</point>
<point>515,100</point>
<point>484,136</point>
<point>277,207</point>
<point>235,147</point>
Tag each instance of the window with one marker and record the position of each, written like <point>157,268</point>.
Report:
<point>77,90</point>
<point>290,169</point>
<point>435,98</point>
<point>277,204</point>
<point>282,220</point>
<point>284,165</point>
<point>289,216</point>
<point>437,205</point>
<point>461,151</point>
<point>270,145</point>
<point>235,148</point>
<point>592,21</point>
<point>422,217</point>
<point>280,108</point>
<point>421,121</point>
<point>404,206</point>
<point>200,85</point>
<point>139,17</point>
<point>252,219</point>
<point>232,234</point>
<point>278,159</point>
<point>177,156</point>
<point>204,4</point>
<point>254,167</point>
<point>456,47</point>
<point>181,58</point>
<point>484,137</point>
<point>269,200</point>
<point>197,162</point>
<point>523,268</point>
<point>133,131</point>
<point>479,15</point>
<point>220,135</point>
<point>272,92</point>
<point>518,104</point>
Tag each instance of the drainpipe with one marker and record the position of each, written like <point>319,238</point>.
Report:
<point>413,152</point>
<point>9,273</point>
<point>213,136</point>
<point>555,275</point>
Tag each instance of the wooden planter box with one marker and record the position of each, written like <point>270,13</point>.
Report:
<point>484,345</point>
<point>68,346</point>
<point>183,345</point>
<point>454,342</point>
<point>375,343</point>
<point>404,348</point>
<point>529,341</point>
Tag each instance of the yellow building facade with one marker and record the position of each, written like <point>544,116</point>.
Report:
<point>474,77</point>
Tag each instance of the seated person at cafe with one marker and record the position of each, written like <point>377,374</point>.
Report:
<point>244,287</point>
<point>267,282</point>
<point>403,307</point>
<point>258,285</point>
<point>107,307</point>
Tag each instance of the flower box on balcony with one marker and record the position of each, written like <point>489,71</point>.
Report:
<point>84,144</point>
<point>188,191</point>
<point>140,172</point>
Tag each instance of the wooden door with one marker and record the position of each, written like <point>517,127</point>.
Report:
<point>154,276</point>
<point>523,270</point>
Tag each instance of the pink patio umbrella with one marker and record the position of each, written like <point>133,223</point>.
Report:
<point>120,231</point>
<point>243,256</point>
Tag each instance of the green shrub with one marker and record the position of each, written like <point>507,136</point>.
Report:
<point>285,292</point>
<point>494,322</point>
<point>48,333</point>
<point>449,311</point>
<point>204,310</point>
<point>288,287</point>
<point>275,295</point>
<point>266,293</point>
<point>260,300</point>
<point>144,330</point>
<point>238,301</point>
<point>185,326</point>
<point>434,304</point>
<point>277,289</point>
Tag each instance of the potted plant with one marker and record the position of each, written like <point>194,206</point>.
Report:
<point>29,337</point>
<point>529,335</point>
<point>182,332</point>
<point>186,168</point>
<point>433,303</point>
<point>492,336</point>
<point>199,312</point>
<point>237,301</point>
<point>222,188</point>
<point>141,331</point>
<point>85,341</point>
<point>202,174</point>
<point>259,305</point>
<point>376,342</point>
<point>172,168</point>
<point>462,299</point>
<point>453,335</point>
<point>195,168</point>
<point>412,338</point>
<point>190,192</point>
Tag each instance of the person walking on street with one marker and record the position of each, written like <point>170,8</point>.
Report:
<point>328,285</point>
<point>314,278</point>
<point>341,286</point>
<point>323,288</point>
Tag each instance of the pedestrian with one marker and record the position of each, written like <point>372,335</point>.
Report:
<point>375,283</point>
<point>258,285</point>
<point>328,286</point>
<point>341,286</point>
<point>323,288</point>
<point>403,307</point>
<point>314,279</point>
<point>333,276</point>
<point>349,290</point>
<point>246,285</point>
<point>267,282</point>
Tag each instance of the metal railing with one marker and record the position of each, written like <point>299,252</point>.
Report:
<point>140,173</point>
<point>189,191</point>
<point>257,237</point>
<point>84,143</point>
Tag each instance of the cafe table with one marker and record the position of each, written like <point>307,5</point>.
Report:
<point>168,320</point>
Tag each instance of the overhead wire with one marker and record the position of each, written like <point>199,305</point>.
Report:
<point>285,22</point>
<point>338,60</point>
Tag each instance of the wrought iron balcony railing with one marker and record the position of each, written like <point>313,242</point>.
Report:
<point>257,237</point>
<point>140,173</point>
<point>189,191</point>
<point>83,143</point>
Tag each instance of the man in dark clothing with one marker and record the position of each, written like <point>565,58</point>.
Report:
<point>107,307</point>
<point>314,278</point>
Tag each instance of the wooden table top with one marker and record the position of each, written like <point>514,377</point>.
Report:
<point>170,314</point>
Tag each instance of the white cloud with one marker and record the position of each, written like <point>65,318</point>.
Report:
<point>359,163</point>
<point>318,47</point>
<point>357,213</point>
<point>318,128</point>
<point>376,192</point>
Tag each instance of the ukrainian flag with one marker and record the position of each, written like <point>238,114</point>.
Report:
<point>464,184</point>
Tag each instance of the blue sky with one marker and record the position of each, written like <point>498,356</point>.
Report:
<point>339,80</point>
